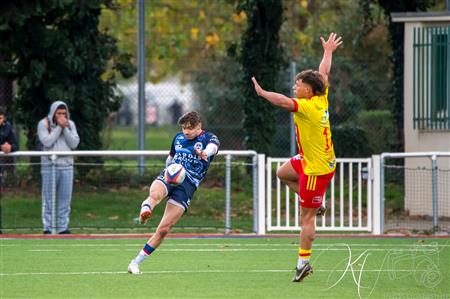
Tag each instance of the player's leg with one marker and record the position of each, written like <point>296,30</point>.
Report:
<point>180,199</point>
<point>287,173</point>
<point>311,190</point>
<point>307,235</point>
<point>172,214</point>
<point>158,191</point>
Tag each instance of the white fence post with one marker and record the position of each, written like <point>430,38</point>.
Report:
<point>261,210</point>
<point>376,198</point>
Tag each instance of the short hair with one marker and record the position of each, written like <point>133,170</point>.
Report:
<point>313,79</point>
<point>191,119</point>
<point>2,110</point>
<point>61,106</point>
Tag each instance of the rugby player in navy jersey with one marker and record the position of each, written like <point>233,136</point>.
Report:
<point>194,149</point>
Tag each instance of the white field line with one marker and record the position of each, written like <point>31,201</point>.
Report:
<point>186,271</point>
<point>242,249</point>
<point>319,245</point>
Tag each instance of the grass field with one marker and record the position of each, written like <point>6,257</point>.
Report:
<point>225,268</point>
<point>125,138</point>
<point>115,209</point>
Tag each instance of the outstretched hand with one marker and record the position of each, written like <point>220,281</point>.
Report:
<point>258,88</point>
<point>332,43</point>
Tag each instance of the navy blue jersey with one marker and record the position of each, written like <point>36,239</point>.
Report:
<point>183,153</point>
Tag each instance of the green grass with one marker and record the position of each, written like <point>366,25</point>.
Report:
<point>224,268</point>
<point>116,209</point>
<point>125,138</point>
<point>156,138</point>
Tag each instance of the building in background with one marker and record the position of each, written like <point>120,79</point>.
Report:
<point>426,104</point>
<point>163,100</point>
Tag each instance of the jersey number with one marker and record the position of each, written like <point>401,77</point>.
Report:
<point>297,135</point>
<point>325,133</point>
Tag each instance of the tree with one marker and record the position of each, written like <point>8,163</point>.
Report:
<point>180,35</point>
<point>261,56</point>
<point>56,52</point>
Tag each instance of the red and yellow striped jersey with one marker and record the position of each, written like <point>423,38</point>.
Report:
<point>312,127</point>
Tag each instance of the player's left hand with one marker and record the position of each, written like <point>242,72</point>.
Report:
<point>332,43</point>
<point>201,154</point>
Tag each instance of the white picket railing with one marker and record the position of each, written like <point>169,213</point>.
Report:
<point>350,187</point>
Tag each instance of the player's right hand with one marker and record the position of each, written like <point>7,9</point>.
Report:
<point>258,88</point>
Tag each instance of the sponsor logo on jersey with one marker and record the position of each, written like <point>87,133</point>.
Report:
<point>214,139</point>
<point>332,163</point>
<point>325,117</point>
<point>198,146</point>
<point>317,199</point>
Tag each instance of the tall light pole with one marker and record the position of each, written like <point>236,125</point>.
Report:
<point>141,82</point>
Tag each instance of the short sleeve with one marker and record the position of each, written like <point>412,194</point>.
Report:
<point>295,105</point>
<point>213,139</point>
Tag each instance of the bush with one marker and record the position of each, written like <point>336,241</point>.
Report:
<point>350,141</point>
<point>379,125</point>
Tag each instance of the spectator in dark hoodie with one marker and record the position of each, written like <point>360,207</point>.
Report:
<point>57,133</point>
<point>8,144</point>
<point>8,139</point>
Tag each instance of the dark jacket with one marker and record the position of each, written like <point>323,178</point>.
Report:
<point>7,135</point>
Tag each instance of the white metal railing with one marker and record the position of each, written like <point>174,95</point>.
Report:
<point>257,168</point>
<point>344,199</point>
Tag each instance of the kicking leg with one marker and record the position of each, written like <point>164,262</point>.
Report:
<point>157,192</point>
<point>172,214</point>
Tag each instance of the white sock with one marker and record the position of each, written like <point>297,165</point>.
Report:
<point>144,253</point>
<point>303,257</point>
<point>301,262</point>
<point>140,257</point>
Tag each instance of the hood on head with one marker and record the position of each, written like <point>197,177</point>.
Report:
<point>53,108</point>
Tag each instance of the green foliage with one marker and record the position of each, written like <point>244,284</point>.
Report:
<point>56,52</point>
<point>221,100</point>
<point>180,34</point>
<point>261,56</point>
<point>381,122</point>
<point>350,141</point>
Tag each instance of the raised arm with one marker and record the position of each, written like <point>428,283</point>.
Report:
<point>329,47</point>
<point>275,98</point>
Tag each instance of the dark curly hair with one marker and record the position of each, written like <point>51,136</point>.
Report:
<point>190,119</point>
<point>313,79</point>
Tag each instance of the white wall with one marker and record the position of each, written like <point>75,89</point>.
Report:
<point>418,191</point>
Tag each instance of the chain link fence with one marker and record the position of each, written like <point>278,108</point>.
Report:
<point>360,109</point>
<point>108,192</point>
<point>416,195</point>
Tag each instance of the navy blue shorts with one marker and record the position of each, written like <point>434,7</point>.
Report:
<point>181,194</point>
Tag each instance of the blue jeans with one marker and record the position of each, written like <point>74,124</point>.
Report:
<point>57,183</point>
